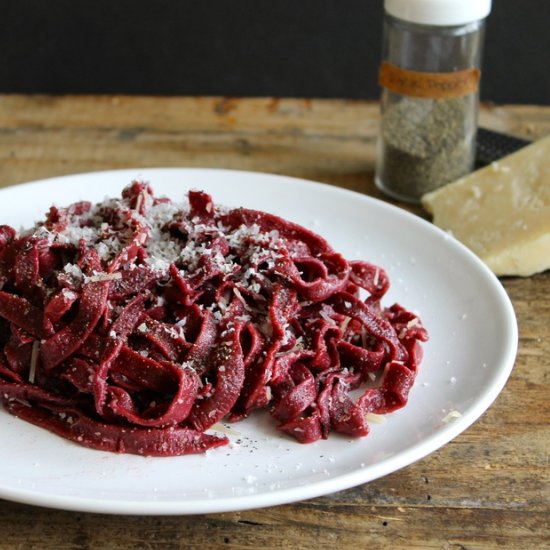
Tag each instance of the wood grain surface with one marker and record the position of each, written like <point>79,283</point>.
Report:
<point>489,488</point>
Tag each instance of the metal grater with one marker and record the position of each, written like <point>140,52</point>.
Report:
<point>492,146</point>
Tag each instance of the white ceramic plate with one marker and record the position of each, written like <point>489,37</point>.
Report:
<point>472,347</point>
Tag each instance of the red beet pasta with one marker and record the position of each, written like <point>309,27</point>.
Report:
<point>136,324</point>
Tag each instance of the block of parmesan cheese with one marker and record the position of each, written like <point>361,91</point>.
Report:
<point>501,212</point>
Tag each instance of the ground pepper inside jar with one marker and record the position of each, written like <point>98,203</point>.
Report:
<point>426,143</point>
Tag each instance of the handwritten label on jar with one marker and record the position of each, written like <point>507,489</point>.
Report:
<point>428,85</point>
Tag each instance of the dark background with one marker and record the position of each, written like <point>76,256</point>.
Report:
<point>293,48</point>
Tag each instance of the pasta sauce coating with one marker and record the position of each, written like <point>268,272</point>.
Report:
<point>136,324</point>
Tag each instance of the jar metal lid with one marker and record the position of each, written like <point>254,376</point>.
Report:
<point>438,12</point>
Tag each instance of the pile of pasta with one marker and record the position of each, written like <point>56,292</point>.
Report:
<point>137,324</point>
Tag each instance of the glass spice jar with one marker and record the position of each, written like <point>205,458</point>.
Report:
<point>429,75</point>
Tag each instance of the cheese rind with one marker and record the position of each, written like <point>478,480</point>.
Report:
<point>501,212</point>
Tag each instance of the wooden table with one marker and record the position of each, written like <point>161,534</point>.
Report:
<point>489,488</point>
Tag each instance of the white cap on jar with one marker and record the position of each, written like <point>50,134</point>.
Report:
<point>438,12</point>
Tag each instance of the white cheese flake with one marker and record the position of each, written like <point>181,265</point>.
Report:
<point>34,361</point>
